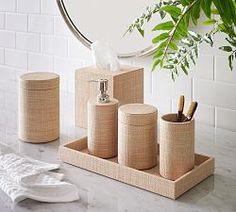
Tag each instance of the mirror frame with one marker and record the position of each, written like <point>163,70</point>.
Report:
<point>86,42</point>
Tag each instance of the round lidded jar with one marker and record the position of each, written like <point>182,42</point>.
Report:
<point>38,114</point>
<point>137,136</point>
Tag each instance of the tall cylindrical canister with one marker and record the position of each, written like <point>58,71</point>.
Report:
<point>137,136</point>
<point>38,114</point>
<point>176,146</point>
<point>102,123</point>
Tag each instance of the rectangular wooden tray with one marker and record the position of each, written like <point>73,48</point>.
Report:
<point>76,153</point>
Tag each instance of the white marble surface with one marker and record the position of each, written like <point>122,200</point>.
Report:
<point>98,193</point>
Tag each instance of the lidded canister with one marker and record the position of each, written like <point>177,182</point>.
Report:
<point>102,123</point>
<point>38,114</point>
<point>137,136</point>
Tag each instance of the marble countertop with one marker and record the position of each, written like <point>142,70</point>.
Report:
<point>98,193</point>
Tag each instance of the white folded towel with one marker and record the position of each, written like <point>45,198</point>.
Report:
<point>23,177</point>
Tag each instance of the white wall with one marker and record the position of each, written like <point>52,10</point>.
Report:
<point>33,37</point>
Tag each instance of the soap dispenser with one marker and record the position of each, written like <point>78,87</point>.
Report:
<point>103,123</point>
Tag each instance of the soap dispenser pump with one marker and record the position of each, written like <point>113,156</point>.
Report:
<point>103,123</point>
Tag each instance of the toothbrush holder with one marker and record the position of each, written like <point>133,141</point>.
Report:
<point>176,147</point>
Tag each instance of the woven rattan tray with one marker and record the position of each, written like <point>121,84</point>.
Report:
<point>76,153</point>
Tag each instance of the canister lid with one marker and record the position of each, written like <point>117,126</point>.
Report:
<point>137,114</point>
<point>39,81</point>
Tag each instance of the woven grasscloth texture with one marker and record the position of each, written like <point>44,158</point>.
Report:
<point>125,85</point>
<point>76,153</point>
<point>137,136</point>
<point>39,107</point>
<point>176,147</point>
<point>102,128</point>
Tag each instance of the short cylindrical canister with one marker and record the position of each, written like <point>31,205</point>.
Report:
<point>176,146</point>
<point>137,136</point>
<point>39,107</point>
<point>102,128</point>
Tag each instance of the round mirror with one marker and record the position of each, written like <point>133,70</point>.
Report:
<point>107,20</point>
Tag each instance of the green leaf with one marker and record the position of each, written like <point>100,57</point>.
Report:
<point>195,12</point>
<point>160,37</point>
<point>192,58</point>
<point>195,36</point>
<point>162,45</point>
<point>182,28</point>
<point>184,68</point>
<point>141,31</point>
<point>206,7</point>
<point>226,48</point>
<point>164,26</point>
<point>155,64</point>
<point>231,41</point>
<point>230,59</point>
<point>209,22</point>
<point>186,63</point>
<point>214,11</point>
<point>185,2</point>
<point>169,66</point>
<point>173,46</point>
<point>172,10</point>
<point>173,76</point>
<point>158,53</point>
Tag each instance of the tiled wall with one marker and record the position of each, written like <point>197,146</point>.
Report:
<point>33,37</point>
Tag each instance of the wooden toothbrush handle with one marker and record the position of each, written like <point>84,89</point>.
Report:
<point>180,108</point>
<point>191,110</point>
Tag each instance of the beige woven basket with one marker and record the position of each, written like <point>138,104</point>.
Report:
<point>137,136</point>
<point>176,146</point>
<point>102,128</point>
<point>39,107</point>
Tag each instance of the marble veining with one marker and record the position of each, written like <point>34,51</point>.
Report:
<point>101,194</point>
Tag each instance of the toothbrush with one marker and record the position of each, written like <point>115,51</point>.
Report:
<point>191,111</point>
<point>180,108</point>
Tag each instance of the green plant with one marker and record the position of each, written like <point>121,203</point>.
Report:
<point>178,46</point>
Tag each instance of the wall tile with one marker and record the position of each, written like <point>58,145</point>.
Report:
<point>7,39</point>
<point>204,68</point>
<point>16,58</point>
<point>66,67</point>
<point>16,22</point>
<point>164,86</point>
<point>28,41</point>
<point>2,100</point>
<point>215,93</point>
<point>28,6</point>
<point>77,50</point>
<point>49,7</point>
<point>7,73</point>
<point>38,62</point>
<point>222,70</point>
<point>225,118</point>
<point>2,20</point>
<point>60,27</point>
<point>56,45</point>
<point>145,63</point>
<point>7,5</point>
<point>1,55</point>
<point>39,23</point>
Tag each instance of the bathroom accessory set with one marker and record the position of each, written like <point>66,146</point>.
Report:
<point>121,143</point>
<point>179,168</point>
